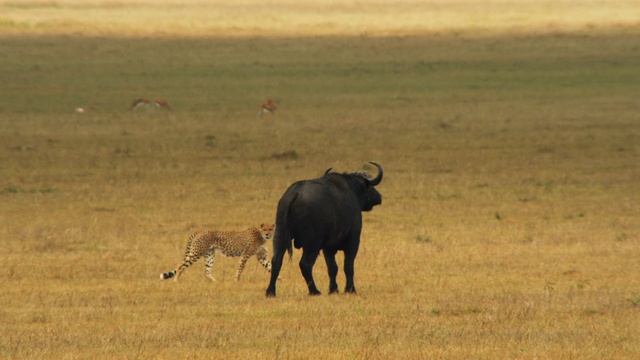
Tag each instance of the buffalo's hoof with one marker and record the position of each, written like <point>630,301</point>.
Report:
<point>333,290</point>
<point>314,292</point>
<point>270,293</point>
<point>351,290</point>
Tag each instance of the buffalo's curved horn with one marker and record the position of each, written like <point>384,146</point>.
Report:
<point>327,171</point>
<point>375,181</point>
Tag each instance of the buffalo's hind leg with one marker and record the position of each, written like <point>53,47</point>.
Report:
<point>276,264</point>
<point>306,267</point>
<point>332,268</point>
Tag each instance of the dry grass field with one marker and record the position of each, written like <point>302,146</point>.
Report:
<point>510,223</point>
<point>310,17</point>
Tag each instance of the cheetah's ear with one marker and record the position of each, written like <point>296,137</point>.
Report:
<point>263,225</point>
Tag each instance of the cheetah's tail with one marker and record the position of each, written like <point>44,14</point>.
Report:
<point>168,275</point>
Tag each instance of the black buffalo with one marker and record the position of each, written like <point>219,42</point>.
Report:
<point>324,214</point>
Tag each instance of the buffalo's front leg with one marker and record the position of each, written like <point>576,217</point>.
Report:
<point>349,260</point>
<point>306,267</point>
<point>332,268</point>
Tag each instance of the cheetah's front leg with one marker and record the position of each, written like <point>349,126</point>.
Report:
<point>263,259</point>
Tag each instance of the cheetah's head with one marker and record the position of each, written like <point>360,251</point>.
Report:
<point>267,230</point>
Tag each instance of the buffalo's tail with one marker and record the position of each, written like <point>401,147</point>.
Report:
<point>290,251</point>
<point>283,237</point>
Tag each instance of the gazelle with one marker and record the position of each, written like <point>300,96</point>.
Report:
<point>267,107</point>
<point>143,103</point>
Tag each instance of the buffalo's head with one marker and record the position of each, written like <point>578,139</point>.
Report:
<point>366,191</point>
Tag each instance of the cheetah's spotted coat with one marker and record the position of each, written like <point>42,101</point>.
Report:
<point>245,244</point>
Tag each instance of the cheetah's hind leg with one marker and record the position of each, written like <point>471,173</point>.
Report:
<point>208,264</point>
<point>243,261</point>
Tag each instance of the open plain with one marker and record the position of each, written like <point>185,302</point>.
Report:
<point>510,223</point>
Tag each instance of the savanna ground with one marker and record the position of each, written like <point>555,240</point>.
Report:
<point>510,223</point>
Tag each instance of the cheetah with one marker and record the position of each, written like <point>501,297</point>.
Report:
<point>245,244</point>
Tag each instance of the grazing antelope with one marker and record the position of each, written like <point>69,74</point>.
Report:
<point>268,107</point>
<point>143,103</point>
<point>162,104</point>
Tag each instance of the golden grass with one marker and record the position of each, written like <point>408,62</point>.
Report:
<point>300,18</point>
<point>88,230</point>
<point>510,223</point>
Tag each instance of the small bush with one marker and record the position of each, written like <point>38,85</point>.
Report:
<point>286,155</point>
